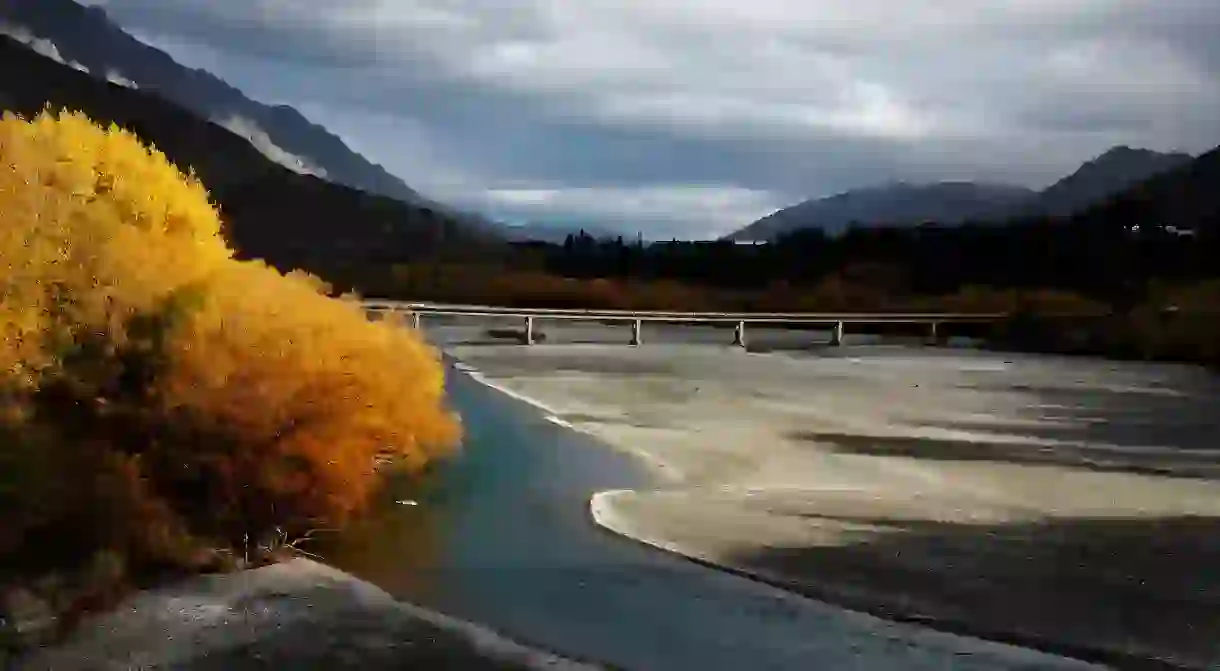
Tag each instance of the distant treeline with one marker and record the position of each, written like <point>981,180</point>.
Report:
<point>1112,263</point>
<point>1104,283</point>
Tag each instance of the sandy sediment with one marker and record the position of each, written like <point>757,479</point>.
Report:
<point>1069,503</point>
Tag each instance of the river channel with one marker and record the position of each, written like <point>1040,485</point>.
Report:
<point>500,534</point>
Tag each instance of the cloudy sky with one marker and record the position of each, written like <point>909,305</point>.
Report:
<point>691,118</point>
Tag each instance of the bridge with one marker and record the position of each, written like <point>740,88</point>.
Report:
<point>837,322</point>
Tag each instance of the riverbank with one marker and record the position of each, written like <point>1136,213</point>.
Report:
<point>296,614</point>
<point>1066,502</point>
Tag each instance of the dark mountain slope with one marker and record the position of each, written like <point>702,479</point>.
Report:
<point>956,202</point>
<point>29,81</point>
<point>1187,197</point>
<point>1105,176</point>
<point>950,202</point>
<point>272,212</point>
<point>87,36</point>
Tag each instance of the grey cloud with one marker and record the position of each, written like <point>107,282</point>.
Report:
<point>519,138</point>
<point>768,97</point>
<point>326,35</point>
<point>245,28</point>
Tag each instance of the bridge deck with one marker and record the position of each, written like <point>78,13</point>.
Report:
<point>689,317</point>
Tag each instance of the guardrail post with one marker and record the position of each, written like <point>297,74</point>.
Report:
<point>739,335</point>
<point>935,335</point>
<point>636,333</point>
<point>529,331</point>
<point>836,335</point>
<point>415,320</point>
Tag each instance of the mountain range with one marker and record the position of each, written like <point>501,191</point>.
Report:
<point>892,203</point>
<point>295,194</point>
<point>1103,177</point>
<point>1186,198</point>
<point>958,202</point>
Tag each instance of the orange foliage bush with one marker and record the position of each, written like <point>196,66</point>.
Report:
<point>307,391</point>
<point>160,396</point>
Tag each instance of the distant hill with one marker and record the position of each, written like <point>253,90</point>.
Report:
<point>1104,176</point>
<point>271,211</point>
<point>957,202</point>
<point>1186,198</point>
<point>900,203</point>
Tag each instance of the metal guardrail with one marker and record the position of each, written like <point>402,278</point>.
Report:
<point>638,317</point>
<point>692,317</point>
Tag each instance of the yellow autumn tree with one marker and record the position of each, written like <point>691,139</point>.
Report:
<point>158,395</point>
<point>94,228</point>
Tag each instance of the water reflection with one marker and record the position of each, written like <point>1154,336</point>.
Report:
<point>399,545</point>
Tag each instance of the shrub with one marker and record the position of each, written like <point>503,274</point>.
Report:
<point>280,400</point>
<point>159,396</point>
